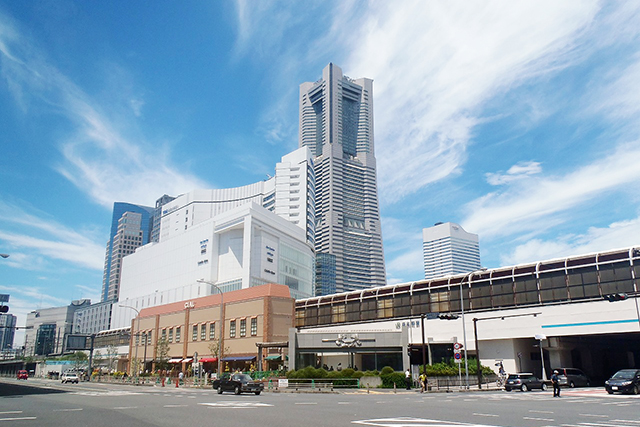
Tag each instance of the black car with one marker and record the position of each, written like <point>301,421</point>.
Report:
<point>624,381</point>
<point>523,382</point>
<point>572,377</point>
<point>238,383</point>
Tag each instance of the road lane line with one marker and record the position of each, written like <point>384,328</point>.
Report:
<point>306,403</point>
<point>538,419</point>
<point>11,412</point>
<point>125,407</point>
<point>175,406</point>
<point>18,419</point>
<point>595,415</point>
<point>68,410</point>
<point>485,415</point>
<point>540,412</point>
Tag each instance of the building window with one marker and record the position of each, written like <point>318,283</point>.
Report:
<point>338,313</point>
<point>194,336</point>
<point>254,326</point>
<point>148,337</point>
<point>171,335</point>
<point>232,329</point>
<point>178,334</point>
<point>243,327</point>
<point>212,331</point>
<point>164,334</point>
<point>203,332</point>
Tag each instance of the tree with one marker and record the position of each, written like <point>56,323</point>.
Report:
<point>214,348</point>
<point>112,357</point>
<point>80,360</point>
<point>97,359</point>
<point>162,353</point>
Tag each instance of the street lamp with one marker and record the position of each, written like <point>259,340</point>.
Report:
<point>541,337</point>
<point>137,332</point>
<point>220,347</point>
<point>464,327</point>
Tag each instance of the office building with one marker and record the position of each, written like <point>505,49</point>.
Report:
<point>131,227</point>
<point>92,319</point>
<point>448,249</point>
<point>47,329</point>
<point>7,330</point>
<point>336,124</point>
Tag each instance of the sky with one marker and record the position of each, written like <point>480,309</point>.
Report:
<point>518,120</point>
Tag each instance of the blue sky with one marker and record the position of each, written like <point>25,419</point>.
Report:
<point>518,120</point>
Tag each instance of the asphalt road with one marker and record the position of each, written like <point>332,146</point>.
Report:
<point>48,403</point>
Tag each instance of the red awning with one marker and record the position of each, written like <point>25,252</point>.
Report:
<point>187,360</point>
<point>208,359</point>
<point>175,360</point>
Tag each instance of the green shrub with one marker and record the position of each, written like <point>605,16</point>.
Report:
<point>388,380</point>
<point>357,374</point>
<point>386,370</point>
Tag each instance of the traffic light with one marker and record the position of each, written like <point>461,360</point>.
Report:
<point>616,297</point>
<point>4,308</point>
<point>448,316</point>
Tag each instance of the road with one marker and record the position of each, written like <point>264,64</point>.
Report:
<point>44,402</point>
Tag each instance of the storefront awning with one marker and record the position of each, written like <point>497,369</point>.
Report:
<point>175,360</point>
<point>208,359</point>
<point>238,359</point>
<point>187,360</point>
<point>273,358</point>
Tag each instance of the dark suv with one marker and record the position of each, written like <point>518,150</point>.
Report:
<point>523,382</point>
<point>572,377</point>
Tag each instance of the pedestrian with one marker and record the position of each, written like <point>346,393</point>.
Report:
<point>407,379</point>
<point>181,376</point>
<point>423,382</point>
<point>556,384</point>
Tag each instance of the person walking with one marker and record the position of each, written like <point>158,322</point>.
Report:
<point>423,382</point>
<point>556,384</point>
<point>407,379</point>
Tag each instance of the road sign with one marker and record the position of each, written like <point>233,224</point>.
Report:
<point>457,346</point>
<point>457,357</point>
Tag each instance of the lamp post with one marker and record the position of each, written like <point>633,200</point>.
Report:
<point>541,337</point>
<point>464,327</point>
<point>424,347</point>
<point>137,332</point>
<point>220,347</point>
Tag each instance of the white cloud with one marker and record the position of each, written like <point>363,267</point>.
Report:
<point>526,205</point>
<point>41,239</point>
<point>617,235</point>
<point>515,172</point>
<point>98,158</point>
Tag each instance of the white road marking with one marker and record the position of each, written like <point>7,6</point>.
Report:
<point>11,412</point>
<point>125,407</point>
<point>344,403</point>
<point>175,406</point>
<point>627,421</point>
<point>485,415</point>
<point>540,412</point>
<point>414,422</point>
<point>18,419</point>
<point>595,415</point>
<point>68,410</point>
<point>237,405</point>
<point>538,419</point>
<point>306,403</point>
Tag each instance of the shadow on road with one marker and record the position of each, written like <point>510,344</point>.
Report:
<point>17,390</point>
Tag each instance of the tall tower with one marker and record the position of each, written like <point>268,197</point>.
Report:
<point>123,240</point>
<point>449,250</point>
<point>336,124</point>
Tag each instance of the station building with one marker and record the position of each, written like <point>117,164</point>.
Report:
<point>558,308</point>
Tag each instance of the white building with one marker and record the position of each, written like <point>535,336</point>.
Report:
<point>448,249</point>
<point>289,194</point>
<point>237,249</point>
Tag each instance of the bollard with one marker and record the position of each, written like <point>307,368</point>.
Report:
<point>163,381</point>
<point>177,381</point>
<point>394,387</point>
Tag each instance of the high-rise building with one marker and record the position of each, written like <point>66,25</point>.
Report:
<point>131,227</point>
<point>7,330</point>
<point>448,249</point>
<point>336,123</point>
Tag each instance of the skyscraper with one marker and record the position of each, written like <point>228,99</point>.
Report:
<point>7,330</point>
<point>131,227</point>
<point>336,124</point>
<point>449,250</point>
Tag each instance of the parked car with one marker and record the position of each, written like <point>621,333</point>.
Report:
<point>70,377</point>
<point>237,383</point>
<point>572,377</point>
<point>523,382</point>
<point>22,374</point>
<point>624,381</point>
